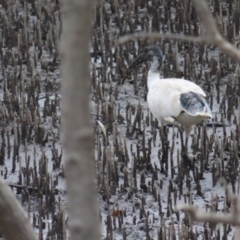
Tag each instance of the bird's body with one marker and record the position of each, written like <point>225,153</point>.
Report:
<point>172,99</point>
<point>166,99</point>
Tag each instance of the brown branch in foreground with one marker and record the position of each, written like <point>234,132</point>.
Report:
<point>14,224</point>
<point>77,132</point>
<point>211,217</point>
<point>213,36</point>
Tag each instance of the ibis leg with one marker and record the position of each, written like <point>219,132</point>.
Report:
<point>185,157</point>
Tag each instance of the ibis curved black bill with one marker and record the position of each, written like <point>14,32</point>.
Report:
<point>139,60</point>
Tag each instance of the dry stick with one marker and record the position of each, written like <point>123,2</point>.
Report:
<point>13,222</point>
<point>213,36</point>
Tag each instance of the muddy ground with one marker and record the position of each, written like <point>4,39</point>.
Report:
<point>136,166</point>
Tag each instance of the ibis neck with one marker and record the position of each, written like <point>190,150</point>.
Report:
<point>152,78</point>
<point>154,72</point>
<point>156,64</point>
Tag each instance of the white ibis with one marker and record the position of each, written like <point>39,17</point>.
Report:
<point>172,99</point>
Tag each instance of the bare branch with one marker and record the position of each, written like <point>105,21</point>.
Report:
<point>211,217</point>
<point>152,35</point>
<point>13,216</point>
<point>228,49</point>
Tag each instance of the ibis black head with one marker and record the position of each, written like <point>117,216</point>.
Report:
<point>149,54</point>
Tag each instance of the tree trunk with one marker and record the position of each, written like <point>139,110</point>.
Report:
<point>77,132</point>
<point>14,225</point>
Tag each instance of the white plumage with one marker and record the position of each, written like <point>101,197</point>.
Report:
<point>172,99</point>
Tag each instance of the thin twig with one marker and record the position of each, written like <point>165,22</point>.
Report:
<point>30,188</point>
<point>50,94</point>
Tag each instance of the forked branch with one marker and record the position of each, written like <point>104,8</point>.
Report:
<point>213,36</point>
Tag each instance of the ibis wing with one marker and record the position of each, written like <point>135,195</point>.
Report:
<point>194,104</point>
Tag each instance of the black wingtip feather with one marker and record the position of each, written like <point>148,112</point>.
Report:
<point>194,104</point>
